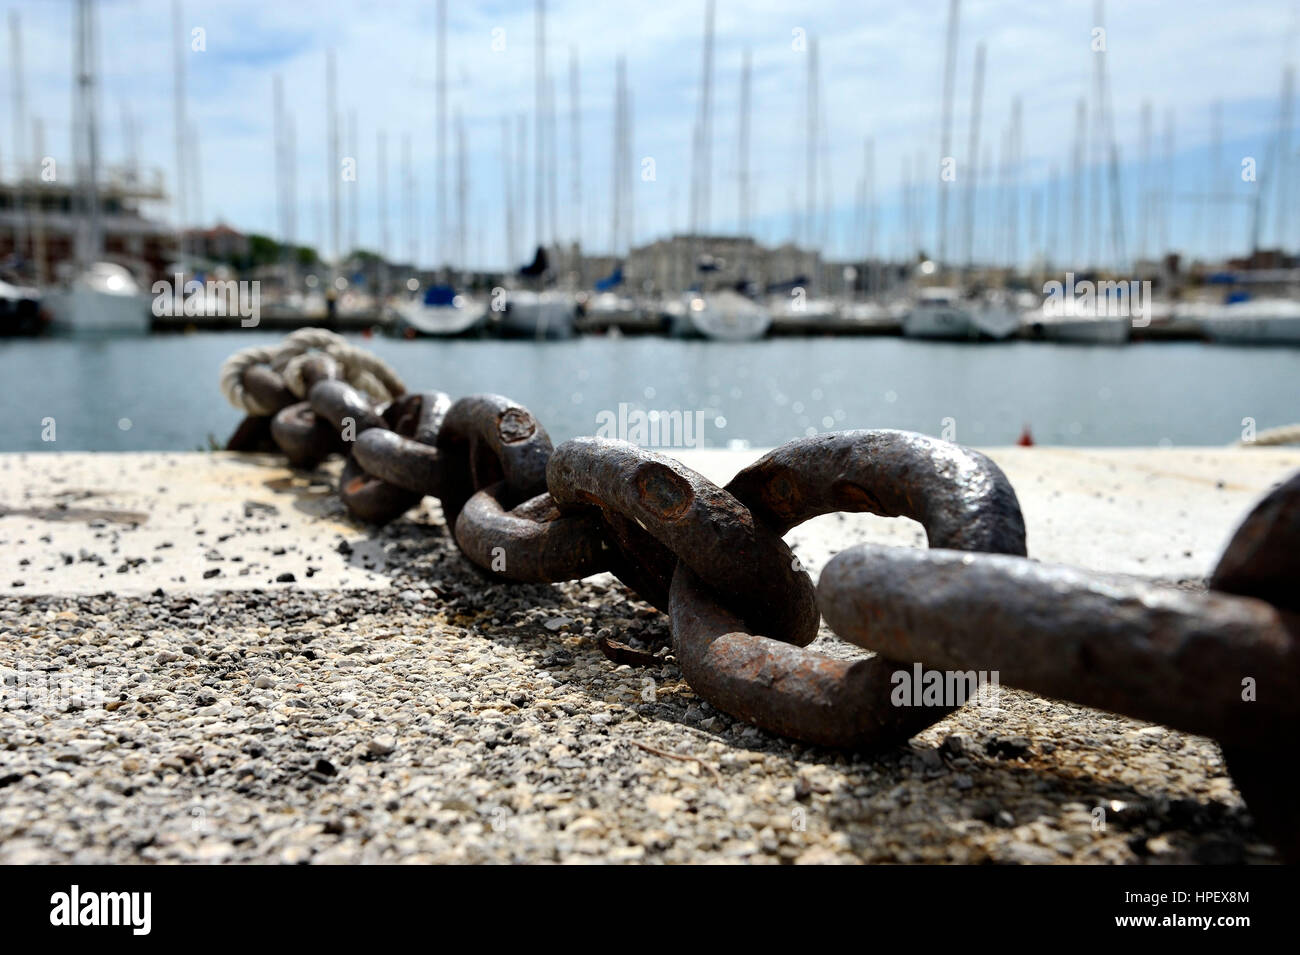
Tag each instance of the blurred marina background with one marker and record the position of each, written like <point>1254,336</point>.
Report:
<point>1067,220</point>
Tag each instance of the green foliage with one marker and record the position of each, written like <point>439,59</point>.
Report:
<point>264,250</point>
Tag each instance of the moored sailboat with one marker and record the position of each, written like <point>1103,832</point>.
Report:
<point>440,312</point>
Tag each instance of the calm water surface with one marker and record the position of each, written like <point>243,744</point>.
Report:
<point>160,392</point>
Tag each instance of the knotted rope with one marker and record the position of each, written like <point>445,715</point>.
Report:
<point>363,370</point>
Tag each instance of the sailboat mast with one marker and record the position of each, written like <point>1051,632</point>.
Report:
<point>440,244</point>
<point>408,200</point>
<point>628,166</point>
<point>539,147</point>
<point>277,142</point>
<point>332,151</point>
<point>1076,175</point>
<point>178,121</point>
<point>291,192</point>
<point>906,248</point>
<point>945,131</point>
<point>21,157</point>
<point>1098,141</point>
<point>742,184</point>
<point>381,161</point>
<point>1004,200</point>
<point>1144,192</point>
<point>1282,167</point>
<point>575,183</point>
<point>196,173</point>
<point>381,152</point>
<point>869,198</point>
<point>521,181</point>
<point>553,160</point>
<point>507,173</point>
<point>38,230</point>
<point>1112,157</point>
<point>1166,202</point>
<point>88,119</point>
<point>827,185</point>
<point>1013,187</point>
<point>1051,235</point>
<point>706,127</point>
<point>462,197</point>
<point>130,144</point>
<point>1215,240</point>
<point>616,170</point>
<point>810,144</point>
<point>972,153</point>
<point>353,192</point>
<point>702,169</point>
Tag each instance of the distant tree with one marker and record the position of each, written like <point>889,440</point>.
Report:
<point>262,250</point>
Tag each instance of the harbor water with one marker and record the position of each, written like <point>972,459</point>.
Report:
<point>160,392</point>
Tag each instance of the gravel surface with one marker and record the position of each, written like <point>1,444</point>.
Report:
<point>448,718</point>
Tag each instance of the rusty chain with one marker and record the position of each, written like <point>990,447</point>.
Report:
<point>743,611</point>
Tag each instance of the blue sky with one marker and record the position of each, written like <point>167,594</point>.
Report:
<point>881,68</point>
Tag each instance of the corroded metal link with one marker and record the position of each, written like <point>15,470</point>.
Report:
<point>372,494</point>
<point>338,403</point>
<point>252,435</point>
<point>532,542</point>
<point>1114,643</point>
<point>373,500</point>
<point>264,385</point>
<point>317,367</point>
<point>706,528</point>
<point>401,462</point>
<point>963,499</point>
<point>640,561</point>
<point>489,438</point>
<point>1263,558</point>
<point>418,415</point>
<point>405,457</point>
<point>785,689</point>
<point>305,438</point>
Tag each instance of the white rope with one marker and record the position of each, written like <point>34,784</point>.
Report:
<point>363,370</point>
<point>1287,434</point>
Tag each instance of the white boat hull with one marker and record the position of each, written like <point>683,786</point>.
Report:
<point>1274,330</point>
<point>869,318</point>
<point>539,316</point>
<point>814,316</point>
<point>1255,322</point>
<point>441,320</point>
<point>91,311</point>
<point>729,318</point>
<point>997,322</point>
<point>1084,331</point>
<point>939,321</point>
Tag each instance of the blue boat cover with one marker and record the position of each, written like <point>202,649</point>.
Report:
<point>439,295</point>
<point>610,281</point>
